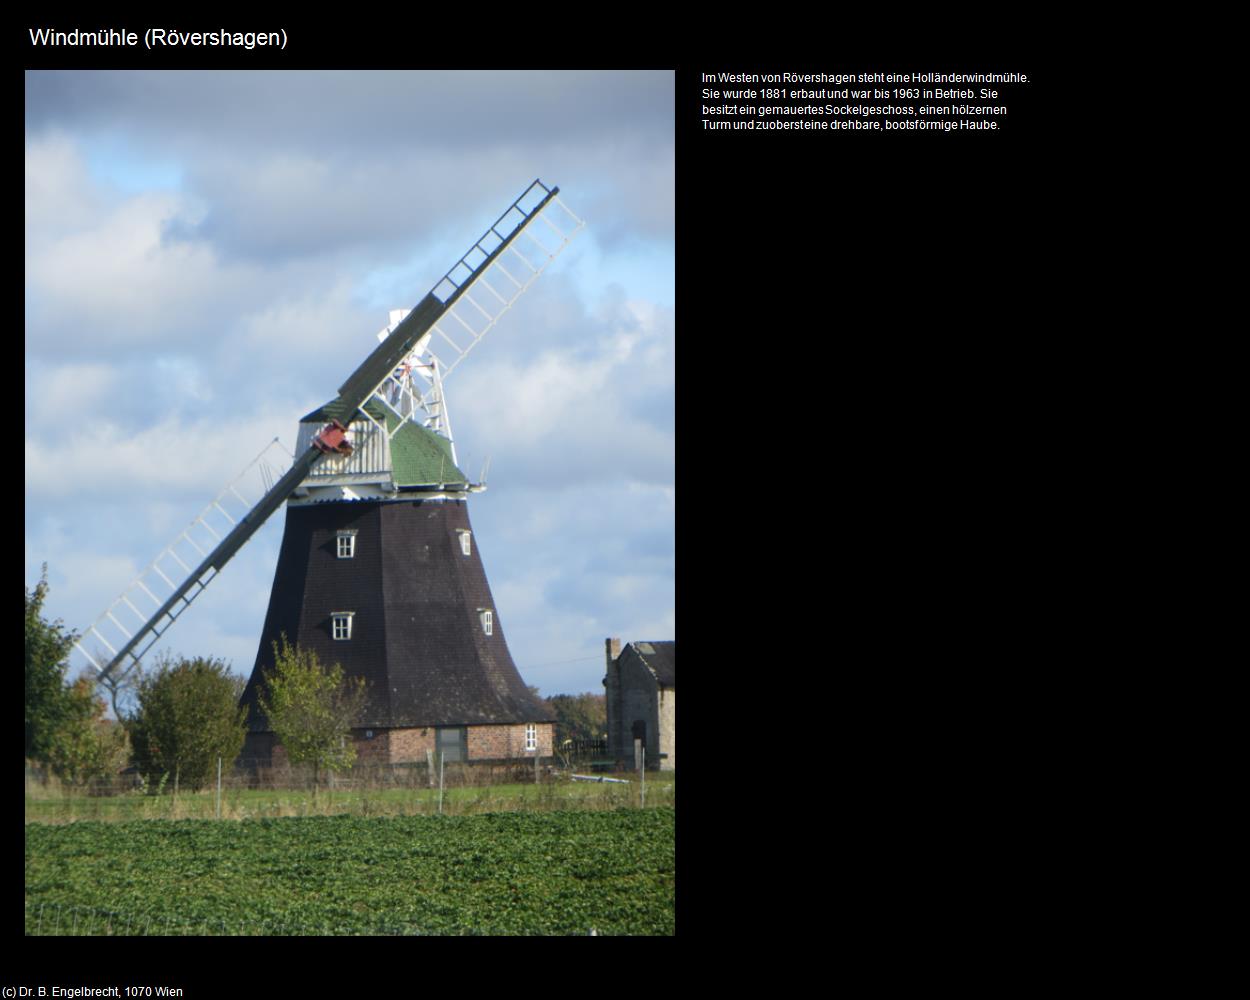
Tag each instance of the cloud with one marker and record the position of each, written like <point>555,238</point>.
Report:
<point>372,113</point>
<point>108,280</point>
<point>55,394</point>
<point>604,551</point>
<point>600,412</point>
<point>168,323</point>
<point>169,458</point>
<point>368,159</point>
<point>59,193</point>
<point>291,206</point>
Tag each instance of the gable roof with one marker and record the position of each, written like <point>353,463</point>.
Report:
<point>658,657</point>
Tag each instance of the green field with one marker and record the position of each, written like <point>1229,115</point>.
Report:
<point>536,872</point>
<point>55,805</point>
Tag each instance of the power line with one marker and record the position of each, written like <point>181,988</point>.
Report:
<point>556,663</point>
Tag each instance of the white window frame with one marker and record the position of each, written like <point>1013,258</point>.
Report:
<point>531,737</point>
<point>488,621</point>
<point>350,538</point>
<point>343,618</point>
<point>466,541</point>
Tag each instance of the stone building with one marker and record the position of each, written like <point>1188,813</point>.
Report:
<point>641,701</point>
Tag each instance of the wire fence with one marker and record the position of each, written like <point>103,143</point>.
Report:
<point>263,773</point>
<point>254,789</point>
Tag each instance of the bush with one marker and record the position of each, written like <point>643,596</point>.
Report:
<point>188,717</point>
<point>88,748</point>
<point>49,702</point>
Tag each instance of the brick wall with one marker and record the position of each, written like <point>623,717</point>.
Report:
<point>372,751</point>
<point>404,746</point>
<point>408,745</point>
<point>506,742</point>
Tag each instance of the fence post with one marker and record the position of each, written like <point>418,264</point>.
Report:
<point>442,759</point>
<point>219,788</point>
<point>640,758</point>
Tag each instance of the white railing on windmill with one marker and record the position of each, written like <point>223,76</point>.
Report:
<point>427,341</point>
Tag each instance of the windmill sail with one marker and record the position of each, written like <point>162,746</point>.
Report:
<point>459,309</point>
<point>130,621</point>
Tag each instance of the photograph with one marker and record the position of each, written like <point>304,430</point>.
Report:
<point>392,353</point>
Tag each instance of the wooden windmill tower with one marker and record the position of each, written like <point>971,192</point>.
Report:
<point>378,568</point>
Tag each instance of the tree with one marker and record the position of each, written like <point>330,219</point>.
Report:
<point>188,716</point>
<point>311,708</point>
<point>48,701</point>
<point>579,716</point>
<point>87,745</point>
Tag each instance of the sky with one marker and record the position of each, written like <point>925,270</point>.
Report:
<point>209,255</point>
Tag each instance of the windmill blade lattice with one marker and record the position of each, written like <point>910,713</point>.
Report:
<point>130,621</point>
<point>476,292</point>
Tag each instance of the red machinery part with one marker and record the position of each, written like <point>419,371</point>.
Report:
<point>333,438</point>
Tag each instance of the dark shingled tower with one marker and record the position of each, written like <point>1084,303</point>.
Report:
<point>386,579</point>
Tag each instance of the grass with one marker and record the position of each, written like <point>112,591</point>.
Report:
<point>56,805</point>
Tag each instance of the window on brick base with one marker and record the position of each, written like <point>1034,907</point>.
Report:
<point>452,742</point>
<point>531,737</point>
<point>347,544</point>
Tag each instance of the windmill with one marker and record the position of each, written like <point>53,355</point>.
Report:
<point>378,569</point>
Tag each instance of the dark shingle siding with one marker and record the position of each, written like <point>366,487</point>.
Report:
<point>454,673</point>
<point>311,583</point>
<point>416,635</point>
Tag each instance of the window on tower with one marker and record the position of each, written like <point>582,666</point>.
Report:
<point>347,544</point>
<point>466,544</point>
<point>342,624</point>
<point>488,621</point>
